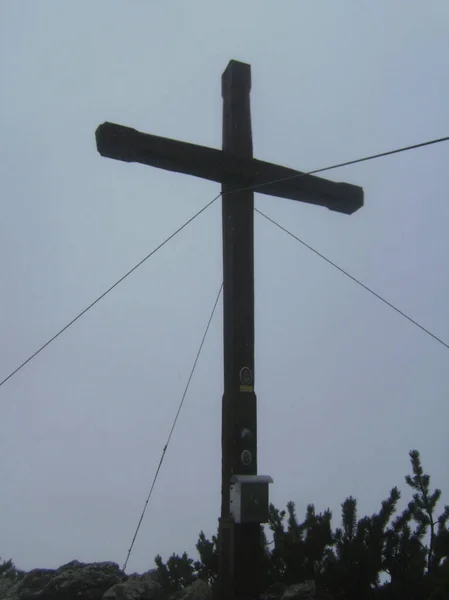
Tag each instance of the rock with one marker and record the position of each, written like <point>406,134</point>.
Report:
<point>105,581</point>
<point>87,581</point>
<point>136,587</point>
<point>5,586</point>
<point>151,574</point>
<point>300,591</point>
<point>274,592</point>
<point>73,581</point>
<point>199,590</point>
<point>29,586</point>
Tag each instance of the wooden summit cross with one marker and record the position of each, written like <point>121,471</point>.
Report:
<point>235,168</point>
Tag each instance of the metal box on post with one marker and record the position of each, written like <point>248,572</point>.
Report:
<point>249,498</point>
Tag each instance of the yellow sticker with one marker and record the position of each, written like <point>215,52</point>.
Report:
<point>246,388</point>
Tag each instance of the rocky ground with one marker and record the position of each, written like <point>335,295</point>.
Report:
<point>105,581</point>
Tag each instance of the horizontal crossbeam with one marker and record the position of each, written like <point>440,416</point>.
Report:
<point>129,145</point>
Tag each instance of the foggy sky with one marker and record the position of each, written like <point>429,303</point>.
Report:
<point>346,387</point>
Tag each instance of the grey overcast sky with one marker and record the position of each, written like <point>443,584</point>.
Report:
<point>346,387</point>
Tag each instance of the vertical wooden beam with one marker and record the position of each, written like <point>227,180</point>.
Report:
<point>240,543</point>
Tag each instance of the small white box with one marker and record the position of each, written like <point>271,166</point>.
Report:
<point>249,498</point>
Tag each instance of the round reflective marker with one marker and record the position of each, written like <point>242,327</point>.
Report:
<point>246,458</point>
<point>246,376</point>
